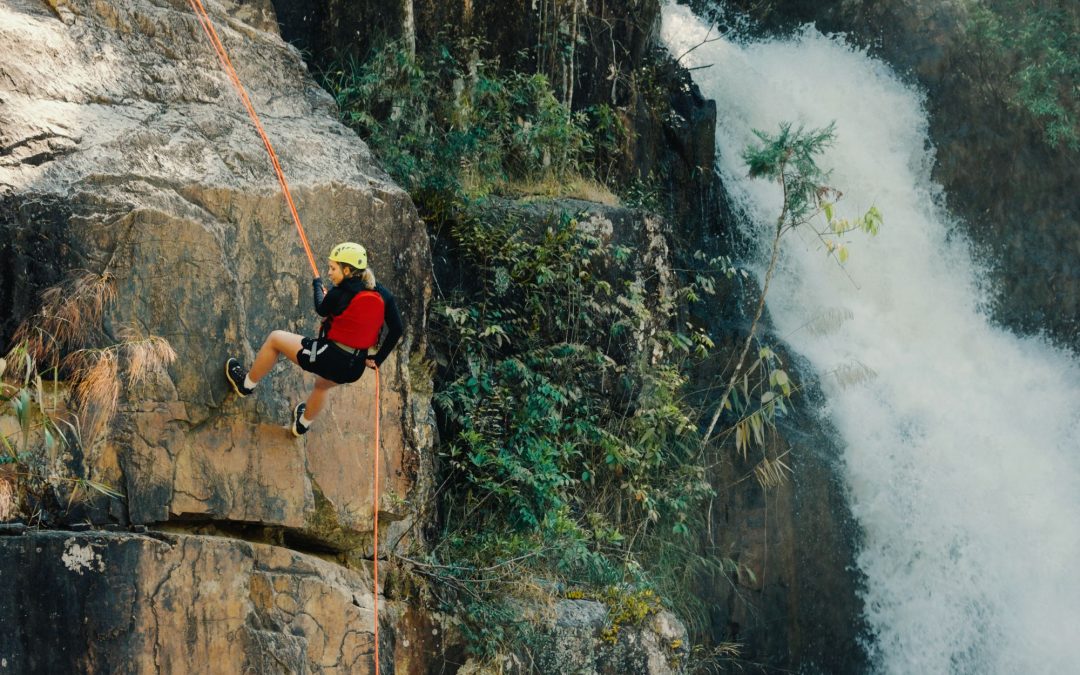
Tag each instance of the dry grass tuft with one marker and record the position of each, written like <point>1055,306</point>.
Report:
<point>771,473</point>
<point>9,498</point>
<point>96,390</point>
<point>145,355</point>
<point>574,187</point>
<point>69,312</point>
<point>54,340</point>
<point>96,380</point>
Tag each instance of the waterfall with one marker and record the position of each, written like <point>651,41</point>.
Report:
<point>962,453</point>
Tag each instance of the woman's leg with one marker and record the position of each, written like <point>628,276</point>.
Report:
<point>279,342</point>
<point>317,399</point>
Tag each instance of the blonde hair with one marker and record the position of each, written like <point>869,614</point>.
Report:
<point>366,275</point>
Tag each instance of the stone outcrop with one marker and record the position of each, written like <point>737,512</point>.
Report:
<point>124,150</point>
<point>1016,194</point>
<point>575,643</point>
<point>175,603</point>
<point>570,638</point>
<point>107,603</point>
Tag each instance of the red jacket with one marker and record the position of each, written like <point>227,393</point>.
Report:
<point>359,325</point>
<point>366,321</point>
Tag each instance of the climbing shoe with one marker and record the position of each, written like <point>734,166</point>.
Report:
<point>236,375</point>
<point>298,429</point>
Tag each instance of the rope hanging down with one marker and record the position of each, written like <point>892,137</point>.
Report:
<point>223,56</point>
<point>375,490</point>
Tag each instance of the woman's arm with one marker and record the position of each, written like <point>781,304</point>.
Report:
<point>393,324</point>
<point>325,302</point>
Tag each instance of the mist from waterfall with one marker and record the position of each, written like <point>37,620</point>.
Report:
<point>962,453</point>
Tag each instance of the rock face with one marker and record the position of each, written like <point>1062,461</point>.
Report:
<point>108,603</point>
<point>789,591</point>
<point>174,603</point>
<point>793,602</point>
<point>657,647</point>
<point>125,151</point>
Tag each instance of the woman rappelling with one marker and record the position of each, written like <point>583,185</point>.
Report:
<point>354,311</point>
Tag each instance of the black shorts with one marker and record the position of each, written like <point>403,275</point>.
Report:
<point>324,358</point>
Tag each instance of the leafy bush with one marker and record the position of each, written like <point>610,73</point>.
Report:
<point>569,446</point>
<point>1037,46</point>
<point>448,120</point>
<point>548,399</point>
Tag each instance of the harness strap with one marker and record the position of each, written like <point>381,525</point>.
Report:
<point>345,348</point>
<point>314,353</point>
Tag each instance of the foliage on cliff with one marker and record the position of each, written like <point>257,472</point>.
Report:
<point>571,450</point>
<point>61,382</point>
<point>1036,46</point>
<point>446,122</point>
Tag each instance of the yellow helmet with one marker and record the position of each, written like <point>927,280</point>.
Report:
<point>351,254</point>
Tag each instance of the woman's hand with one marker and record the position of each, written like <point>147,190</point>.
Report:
<point>371,364</point>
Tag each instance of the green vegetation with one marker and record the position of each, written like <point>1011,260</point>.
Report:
<point>1035,48</point>
<point>571,458</point>
<point>569,444</point>
<point>448,123</point>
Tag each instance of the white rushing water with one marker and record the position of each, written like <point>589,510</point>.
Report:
<point>962,454</point>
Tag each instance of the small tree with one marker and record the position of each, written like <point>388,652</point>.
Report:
<point>789,159</point>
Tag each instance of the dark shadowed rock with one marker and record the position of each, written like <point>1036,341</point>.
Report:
<point>107,603</point>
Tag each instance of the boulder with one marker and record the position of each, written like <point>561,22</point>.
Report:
<point>110,602</point>
<point>578,636</point>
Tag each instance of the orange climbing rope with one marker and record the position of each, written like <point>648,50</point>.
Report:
<point>375,490</point>
<point>223,56</point>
